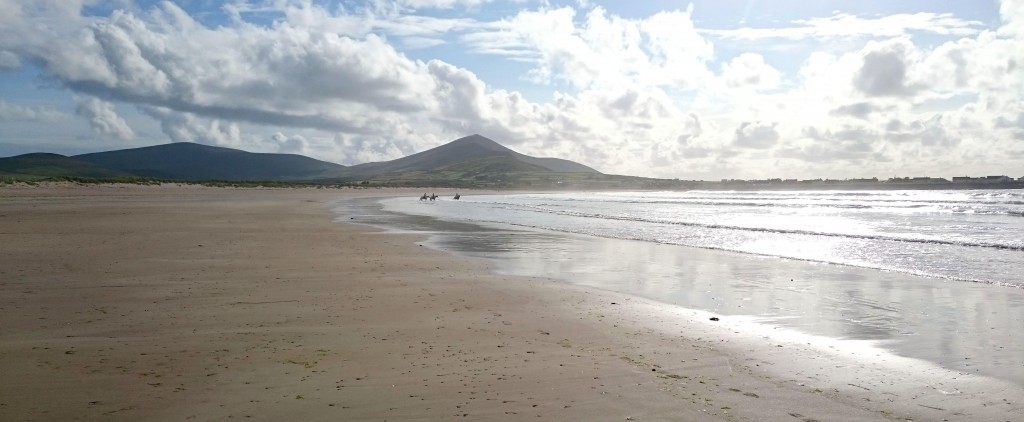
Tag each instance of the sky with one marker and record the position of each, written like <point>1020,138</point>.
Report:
<point>706,90</point>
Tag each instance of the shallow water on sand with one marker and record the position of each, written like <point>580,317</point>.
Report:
<point>967,327</point>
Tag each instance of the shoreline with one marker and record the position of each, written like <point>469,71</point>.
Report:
<point>282,313</point>
<point>964,327</point>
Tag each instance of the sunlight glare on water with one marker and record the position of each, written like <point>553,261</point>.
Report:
<point>951,286</point>
<point>916,232</point>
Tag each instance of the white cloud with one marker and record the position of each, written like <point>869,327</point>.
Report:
<point>859,110</point>
<point>639,95</point>
<point>883,73</point>
<point>12,13</point>
<point>102,118</point>
<point>441,4</point>
<point>212,85</point>
<point>14,112</point>
<point>285,76</point>
<point>757,135</point>
<point>601,50</point>
<point>364,149</point>
<point>295,144</point>
<point>928,132</point>
<point>9,60</point>
<point>421,42</point>
<point>748,70</point>
<point>845,145</point>
<point>844,25</point>
<point>1012,14</point>
<point>188,127</point>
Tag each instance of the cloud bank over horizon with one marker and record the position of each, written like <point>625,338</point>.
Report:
<point>693,93</point>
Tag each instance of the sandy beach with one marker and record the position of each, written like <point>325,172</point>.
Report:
<point>192,303</point>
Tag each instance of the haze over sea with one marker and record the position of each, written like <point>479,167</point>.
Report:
<point>931,275</point>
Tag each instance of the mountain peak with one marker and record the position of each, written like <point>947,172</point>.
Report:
<point>472,148</point>
<point>476,137</point>
<point>479,141</point>
<point>40,156</point>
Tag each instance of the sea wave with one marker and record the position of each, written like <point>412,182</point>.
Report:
<point>795,258</point>
<point>989,207</point>
<point>875,237</point>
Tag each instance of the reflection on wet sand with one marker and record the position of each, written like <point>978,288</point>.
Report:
<point>962,326</point>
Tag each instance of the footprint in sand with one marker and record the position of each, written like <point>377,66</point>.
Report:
<point>797,415</point>
<point>745,394</point>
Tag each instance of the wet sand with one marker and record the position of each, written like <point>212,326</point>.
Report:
<point>187,303</point>
<point>966,327</point>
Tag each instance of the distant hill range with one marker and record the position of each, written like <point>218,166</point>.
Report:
<point>473,159</point>
<point>43,165</point>
<point>188,161</point>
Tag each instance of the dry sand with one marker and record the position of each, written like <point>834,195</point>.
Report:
<point>189,303</point>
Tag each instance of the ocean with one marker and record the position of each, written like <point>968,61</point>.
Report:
<point>931,275</point>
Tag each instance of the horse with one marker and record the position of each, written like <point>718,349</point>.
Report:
<point>433,196</point>
<point>424,197</point>
<point>456,196</point>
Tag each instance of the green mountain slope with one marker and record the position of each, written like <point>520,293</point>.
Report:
<point>472,160</point>
<point>493,165</point>
<point>463,150</point>
<point>43,165</point>
<point>188,161</point>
